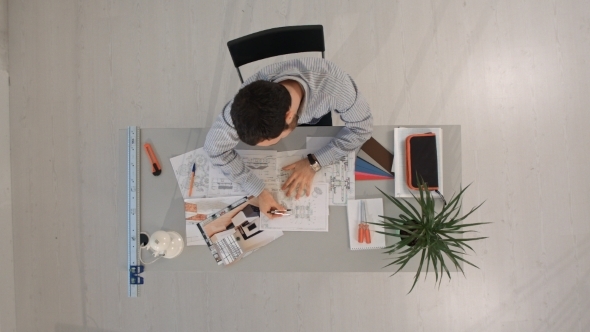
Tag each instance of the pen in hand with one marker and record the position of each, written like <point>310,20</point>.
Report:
<point>280,212</point>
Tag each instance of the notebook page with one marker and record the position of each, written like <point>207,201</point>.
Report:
<point>374,208</point>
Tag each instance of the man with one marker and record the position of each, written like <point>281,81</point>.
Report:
<point>271,104</point>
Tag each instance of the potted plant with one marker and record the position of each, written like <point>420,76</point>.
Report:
<point>431,234</point>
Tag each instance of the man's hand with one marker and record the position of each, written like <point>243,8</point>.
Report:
<point>267,203</point>
<point>300,180</point>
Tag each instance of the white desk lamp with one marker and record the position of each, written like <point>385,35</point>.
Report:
<point>167,244</point>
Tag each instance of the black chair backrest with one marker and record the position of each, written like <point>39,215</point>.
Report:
<point>277,41</point>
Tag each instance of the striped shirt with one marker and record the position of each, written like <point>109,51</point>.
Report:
<point>327,88</point>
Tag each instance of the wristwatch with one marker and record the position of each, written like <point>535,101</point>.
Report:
<point>313,162</point>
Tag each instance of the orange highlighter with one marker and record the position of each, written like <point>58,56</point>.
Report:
<point>156,169</point>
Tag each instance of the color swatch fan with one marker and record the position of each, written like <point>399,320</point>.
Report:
<point>367,171</point>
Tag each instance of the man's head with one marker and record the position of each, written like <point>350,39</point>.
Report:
<point>259,111</point>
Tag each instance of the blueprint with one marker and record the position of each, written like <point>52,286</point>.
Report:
<point>332,185</point>
<point>261,162</point>
<point>341,181</point>
<point>183,165</point>
<point>307,213</point>
<point>339,176</point>
<point>220,185</point>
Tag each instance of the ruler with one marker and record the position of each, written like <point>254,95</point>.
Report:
<point>133,221</point>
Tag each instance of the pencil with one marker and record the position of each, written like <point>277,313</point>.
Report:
<point>190,189</point>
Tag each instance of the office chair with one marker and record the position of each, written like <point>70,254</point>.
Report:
<point>278,41</point>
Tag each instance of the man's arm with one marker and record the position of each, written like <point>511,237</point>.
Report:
<point>354,111</point>
<point>356,114</point>
<point>220,147</point>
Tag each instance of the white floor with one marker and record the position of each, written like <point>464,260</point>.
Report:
<point>514,74</point>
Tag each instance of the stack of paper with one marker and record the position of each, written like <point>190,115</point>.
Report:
<point>333,185</point>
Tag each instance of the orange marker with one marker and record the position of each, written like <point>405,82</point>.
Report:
<point>156,169</point>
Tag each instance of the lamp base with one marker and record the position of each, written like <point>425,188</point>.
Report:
<point>176,245</point>
<point>167,244</point>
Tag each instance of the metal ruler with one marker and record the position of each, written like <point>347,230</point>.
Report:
<point>133,207</point>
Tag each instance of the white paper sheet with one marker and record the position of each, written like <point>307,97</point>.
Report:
<point>261,162</point>
<point>340,175</point>
<point>332,184</point>
<point>374,210</point>
<point>183,165</point>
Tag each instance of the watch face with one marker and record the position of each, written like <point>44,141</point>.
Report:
<point>313,163</point>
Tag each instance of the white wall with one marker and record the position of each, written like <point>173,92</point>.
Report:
<point>7,299</point>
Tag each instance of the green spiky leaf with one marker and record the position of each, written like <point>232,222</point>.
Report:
<point>436,236</point>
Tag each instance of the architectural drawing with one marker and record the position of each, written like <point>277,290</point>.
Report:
<point>308,213</point>
<point>333,185</point>
<point>339,175</point>
<point>261,162</point>
<point>220,185</point>
<point>302,212</point>
<point>183,165</point>
<point>255,163</point>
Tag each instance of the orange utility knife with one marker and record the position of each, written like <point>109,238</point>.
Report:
<point>156,169</point>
